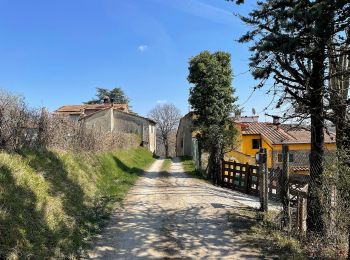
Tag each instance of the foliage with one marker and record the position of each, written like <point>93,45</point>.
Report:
<point>116,95</point>
<point>15,119</point>
<point>52,202</point>
<point>212,102</point>
<point>167,117</point>
<point>23,127</point>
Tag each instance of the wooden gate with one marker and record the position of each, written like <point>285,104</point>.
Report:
<point>241,177</point>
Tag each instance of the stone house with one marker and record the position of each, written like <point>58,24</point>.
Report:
<point>185,136</point>
<point>75,112</point>
<point>109,117</point>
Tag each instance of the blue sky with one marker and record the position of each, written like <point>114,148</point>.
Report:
<point>58,52</point>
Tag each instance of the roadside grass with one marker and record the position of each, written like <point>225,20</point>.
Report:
<point>166,165</point>
<point>263,232</point>
<point>52,203</point>
<point>190,168</point>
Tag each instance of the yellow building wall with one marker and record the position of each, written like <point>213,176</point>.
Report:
<point>244,152</point>
<point>245,148</point>
<point>296,147</point>
<point>239,157</point>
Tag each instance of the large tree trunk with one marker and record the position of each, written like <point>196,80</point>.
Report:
<point>339,86</point>
<point>315,204</point>
<point>166,146</point>
<point>215,158</point>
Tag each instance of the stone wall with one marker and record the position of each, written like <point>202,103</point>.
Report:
<point>112,120</point>
<point>129,123</point>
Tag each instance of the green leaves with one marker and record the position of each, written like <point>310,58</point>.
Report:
<point>211,97</point>
<point>117,94</point>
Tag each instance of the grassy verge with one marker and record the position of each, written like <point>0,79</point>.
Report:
<point>52,203</point>
<point>264,234</point>
<point>166,165</point>
<point>190,168</point>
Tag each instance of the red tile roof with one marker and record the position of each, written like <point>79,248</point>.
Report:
<point>282,134</point>
<point>80,109</point>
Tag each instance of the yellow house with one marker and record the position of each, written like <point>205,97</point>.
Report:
<point>252,135</point>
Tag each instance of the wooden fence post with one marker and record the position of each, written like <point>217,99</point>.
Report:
<point>223,172</point>
<point>263,183</point>
<point>285,196</point>
<point>247,176</point>
<point>301,212</point>
<point>266,186</point>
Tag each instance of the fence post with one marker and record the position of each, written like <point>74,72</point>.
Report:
<point>263,182</point>
<point>266,185</point>
<point>247,178</point>
<point>285,197</point>
<point>223,172</point>
<point>301,213</point>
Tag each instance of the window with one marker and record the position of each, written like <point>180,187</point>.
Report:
<point>256,143</point>
<point>291,157</point>
<point>280,157</point>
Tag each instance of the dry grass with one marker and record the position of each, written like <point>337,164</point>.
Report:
<point>263,232</point>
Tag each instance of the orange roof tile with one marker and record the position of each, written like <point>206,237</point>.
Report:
<point>279,134</point>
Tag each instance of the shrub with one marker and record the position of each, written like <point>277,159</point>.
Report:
<point>22,127</point>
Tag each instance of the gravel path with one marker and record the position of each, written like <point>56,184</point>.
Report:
<point>174,216</point>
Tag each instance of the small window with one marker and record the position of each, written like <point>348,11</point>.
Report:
<point>280,157</point>
<point>256,143</point>
<point>291,157</point>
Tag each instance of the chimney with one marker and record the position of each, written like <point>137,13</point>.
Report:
<point>276,120</point>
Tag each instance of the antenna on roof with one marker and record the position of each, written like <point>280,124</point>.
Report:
<point>253,111</point>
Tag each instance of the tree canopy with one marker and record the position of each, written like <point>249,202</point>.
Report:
<point>212,102</point>
<point>167,117</point>
<point>292,43</point>
<point>116,94</point>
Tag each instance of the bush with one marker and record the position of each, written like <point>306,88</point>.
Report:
<point>15,120</point>
<point>22,127</point>
<point>69,135</point>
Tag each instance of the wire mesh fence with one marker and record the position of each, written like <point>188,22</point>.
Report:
<point>314,194</point>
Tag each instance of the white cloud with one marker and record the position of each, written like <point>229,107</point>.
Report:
<point>143,48</point>
<point>161,101</point>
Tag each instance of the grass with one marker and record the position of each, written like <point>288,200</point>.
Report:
<point>166,165</point>
<point>263,232</point>
<point>190,168</point>
<point>52,203</point>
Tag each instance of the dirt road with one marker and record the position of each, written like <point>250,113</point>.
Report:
<point>174,216</point>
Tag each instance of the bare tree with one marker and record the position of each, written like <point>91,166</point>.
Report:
<point>167,117</point>
<point>14,119</point>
